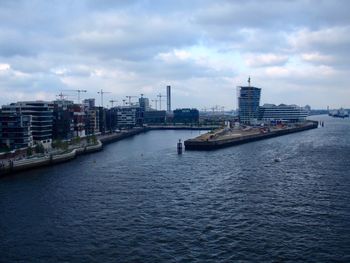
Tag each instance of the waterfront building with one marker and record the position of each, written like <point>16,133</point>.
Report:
<point>248,103</point>
<point>63,122</point>
<point>92,117</point>
<point>155,117</point>
<point>41,113</point>
<point>186,116</point>
<point>92,121</point>
<point>282,112</point>
<point>101,119</point>
<point>15,130</point>
<point>126,116</point>
<point>111,119</point>
<point>78,120</point>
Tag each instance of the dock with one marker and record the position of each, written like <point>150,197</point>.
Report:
<point>225,137</point>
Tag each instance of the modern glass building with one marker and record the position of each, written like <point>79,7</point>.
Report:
<point>248,104</point>
<point>41,113</point>
<point>282,112</point>
<point>186,116</point>
<point>15,130</point>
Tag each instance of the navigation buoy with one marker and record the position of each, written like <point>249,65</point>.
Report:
<point>179,147</point>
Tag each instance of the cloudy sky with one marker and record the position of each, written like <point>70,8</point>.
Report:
<point>297,51</point>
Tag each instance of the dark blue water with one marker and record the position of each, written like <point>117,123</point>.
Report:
<point>138,201</point>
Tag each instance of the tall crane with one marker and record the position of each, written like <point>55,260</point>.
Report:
<point>62,96</point>
<point>78,91</point>
<point>101,92</point>
<point>156,102</point>
<point>112,101</point>
<point>160,100</point>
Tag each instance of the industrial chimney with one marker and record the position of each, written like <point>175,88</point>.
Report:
<point>168,98</point>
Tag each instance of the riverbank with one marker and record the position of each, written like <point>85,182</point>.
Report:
<point>225,138</point>
<point>47,159</point>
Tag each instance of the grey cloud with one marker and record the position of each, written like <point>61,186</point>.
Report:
<point>58,44</point>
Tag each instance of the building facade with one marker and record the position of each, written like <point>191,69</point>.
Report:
<point>63,123</point>
<point>144,104</point>
<point>154,117</point>
<point>15,130</point>
<point>282,112</point>
<point>126,116</point>
<point>41,113</point>
<point>248,104</point>
<point>92,121</point>
<point>78,120</point>
<point>186,116</point>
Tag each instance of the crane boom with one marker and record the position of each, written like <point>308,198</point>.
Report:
<point>101,92</point>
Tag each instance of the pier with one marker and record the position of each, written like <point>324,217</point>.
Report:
<point>229,137</point>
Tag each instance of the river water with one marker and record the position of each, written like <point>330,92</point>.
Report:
<point>138,201</point>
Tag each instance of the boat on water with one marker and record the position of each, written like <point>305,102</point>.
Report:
<point>341,113</point>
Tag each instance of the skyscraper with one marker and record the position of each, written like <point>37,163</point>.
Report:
<point>248,103</point>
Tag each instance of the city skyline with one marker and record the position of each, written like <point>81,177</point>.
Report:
<point>297,52</point>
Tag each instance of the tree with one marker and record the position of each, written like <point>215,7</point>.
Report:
<point>94,139</point>
<point>39,148</point>
<point>29,151</point>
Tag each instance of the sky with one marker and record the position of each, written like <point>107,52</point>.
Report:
<point>297,51</point>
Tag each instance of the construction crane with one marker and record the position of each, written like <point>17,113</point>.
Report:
<point>112,101</point>
<point>62,96</point>
<point>156,102</point>
<point>77,90</point>
<point>160,100</point>
<point>129,97</point>
<point>101,92</point>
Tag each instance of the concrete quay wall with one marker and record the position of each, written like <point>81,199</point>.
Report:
<point>36,162</point>
<point>193,144</point>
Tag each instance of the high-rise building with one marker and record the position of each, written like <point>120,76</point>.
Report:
<point>168,98</point>
<point>42,116</point>
<point>144,104</point>
<point>248,103</point>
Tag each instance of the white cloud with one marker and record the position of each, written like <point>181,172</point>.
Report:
<point>263,60</point>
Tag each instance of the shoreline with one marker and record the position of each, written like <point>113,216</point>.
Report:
<point>50,160</point>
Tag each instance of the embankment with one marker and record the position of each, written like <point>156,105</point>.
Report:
<point>220,142</point>
<point>45,160</point>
